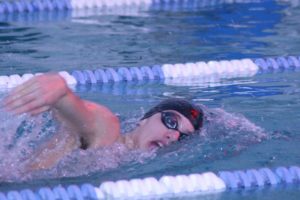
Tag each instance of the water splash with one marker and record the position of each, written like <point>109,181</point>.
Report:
<point>20,138</point>
<point>222,125</point>
<point>28,142</point>
<point>84,162</point>
<point>23,136</point>
<point>223,135</point>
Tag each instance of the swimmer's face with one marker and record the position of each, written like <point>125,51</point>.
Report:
<point>162,129</point>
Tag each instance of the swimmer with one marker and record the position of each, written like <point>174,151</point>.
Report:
<point>94,125</point>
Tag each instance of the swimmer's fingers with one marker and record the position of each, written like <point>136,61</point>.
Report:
<point>20,91</point>
<point>30,106</point>
<point>14,102</point>
<point>43,90</point>
<point>24,86</point>
<point>39,110</point>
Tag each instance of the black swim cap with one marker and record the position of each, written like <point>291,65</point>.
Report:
<point>191,111</point>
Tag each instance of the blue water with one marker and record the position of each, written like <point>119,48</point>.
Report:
<point>263,109</point>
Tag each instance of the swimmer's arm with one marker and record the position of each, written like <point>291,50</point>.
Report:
<point>95,123</point>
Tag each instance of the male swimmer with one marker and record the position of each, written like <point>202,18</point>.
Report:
<point>95,125</point>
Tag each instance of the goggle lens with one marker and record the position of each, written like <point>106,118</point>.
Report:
<point>169,119</point>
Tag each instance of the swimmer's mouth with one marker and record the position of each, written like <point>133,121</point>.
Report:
<point>157,144</point>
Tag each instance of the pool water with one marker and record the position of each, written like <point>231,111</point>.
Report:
<point>252,122</point>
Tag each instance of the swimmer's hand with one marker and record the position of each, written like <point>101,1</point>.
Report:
<point>37,95</point>
<point>94,123</point>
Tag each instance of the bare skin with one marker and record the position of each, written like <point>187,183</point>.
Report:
<point>95,124</point>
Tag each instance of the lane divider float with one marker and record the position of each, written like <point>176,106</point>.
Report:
<point>166,186</point>
<point>30,6</point>
<point>198,70</point>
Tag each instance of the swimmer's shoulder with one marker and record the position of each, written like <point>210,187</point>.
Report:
<point>107,125</point>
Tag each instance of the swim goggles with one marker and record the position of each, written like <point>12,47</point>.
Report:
<point>169,119</point>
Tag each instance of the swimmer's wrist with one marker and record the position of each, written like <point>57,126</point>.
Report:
<point>64,100</point>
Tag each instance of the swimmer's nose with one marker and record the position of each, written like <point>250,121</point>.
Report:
<point>173,135</point>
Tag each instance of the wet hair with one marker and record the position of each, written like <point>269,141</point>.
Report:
<point>191,111</point>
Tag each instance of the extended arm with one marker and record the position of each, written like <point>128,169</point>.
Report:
<point>96,124</point>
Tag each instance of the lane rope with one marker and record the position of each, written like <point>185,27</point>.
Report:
<point>199,70</point>
<point>166,186</point>
<point>31,6</point>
